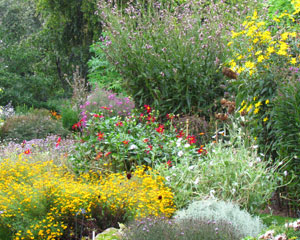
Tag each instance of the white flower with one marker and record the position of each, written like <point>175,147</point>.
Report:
<point>280,237</point>
<point>285,173</point>
<point>180,153</point>
<point>178,144</point>
<point>211,193</point>
<point>196,181</point>
<point>250,164</point>
<point>187,145</point>
<point>168,178</point>
<point>191,167</point>
<point>133,147</point>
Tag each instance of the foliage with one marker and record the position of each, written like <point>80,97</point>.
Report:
<point>229,171</point>
<point>136,140</point>
<point>102,73</point>
<point>42,200</point>
<point>69,28</point>
<point>25,74</point>
<point>101,99</point>
<point>37,124</point>
<point>267,59</point>
<point>170,59</point>
<point>187,229</point>
<point>277,7</point>
<point>286,126</point>
<point>69,117</point>
<point>220,211</point>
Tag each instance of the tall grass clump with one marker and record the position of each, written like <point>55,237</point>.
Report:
<point>169,56</point>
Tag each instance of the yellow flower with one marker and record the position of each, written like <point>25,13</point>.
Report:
<point>284,36</point>
<point>260,58</point>
<point>257,105</point>
<point>258,52</point>
<point>249,65</point>
<point>293,61</point>
<point>228,44</point>
<point>243,103</point>
<point>256,110</point>
<point>255,40</point>
<point>267,101</point>
<point>249,108</point>
<point>266,119</point>
<point>270,50</point>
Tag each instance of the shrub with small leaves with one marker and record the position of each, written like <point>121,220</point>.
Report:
<point>220,211</point>
<point>36,124</point>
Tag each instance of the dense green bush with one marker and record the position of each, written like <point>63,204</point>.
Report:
<point>187,229</point>
<point>36,124</point>
<point>220,211</point>
<point>170,59</point>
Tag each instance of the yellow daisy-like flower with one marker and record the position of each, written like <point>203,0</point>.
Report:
<point>267,101</point>
<point>249,65</point>
<point>266,119</point>
<point>257,105</point>
<point>293,61</point>
<point>260,58</point>
<point>228,44</point>
<point>256,110</point>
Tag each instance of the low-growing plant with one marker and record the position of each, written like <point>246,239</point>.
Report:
<point>34,125</point>
<point>187,229</point>
<point>136,140</point>
<point>69,116</point>
<point>220,211</point>
<point>43,201</point>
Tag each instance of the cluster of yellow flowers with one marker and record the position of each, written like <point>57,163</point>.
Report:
<point>262,44</point>
<point>253,107</point>
<point>39,199</point>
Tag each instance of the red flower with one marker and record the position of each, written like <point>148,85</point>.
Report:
<point>28,151</point>
<point>201,150</point>
<point>77,125</point>
<point>119,124</point>
<point>100,136</point>
<point>98,116</point>
<point>106,108</point>
<point>150,146</point>
<point>170,116</point>
<point>191,139</point>
<point>150,118</point>
<point>147,108</point>
<point>160,129</point>
<point>169,163</point>
<point>180,134</point>
<point>58,141</point>
<point>146,140</point>
<point>125,142</point>
<point>106,154</point>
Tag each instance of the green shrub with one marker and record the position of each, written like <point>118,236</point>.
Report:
<point>170,59</point>
<point>187,229</point>
<point>37,124</point>
<point>137,140</point>
<point>220,211</point>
